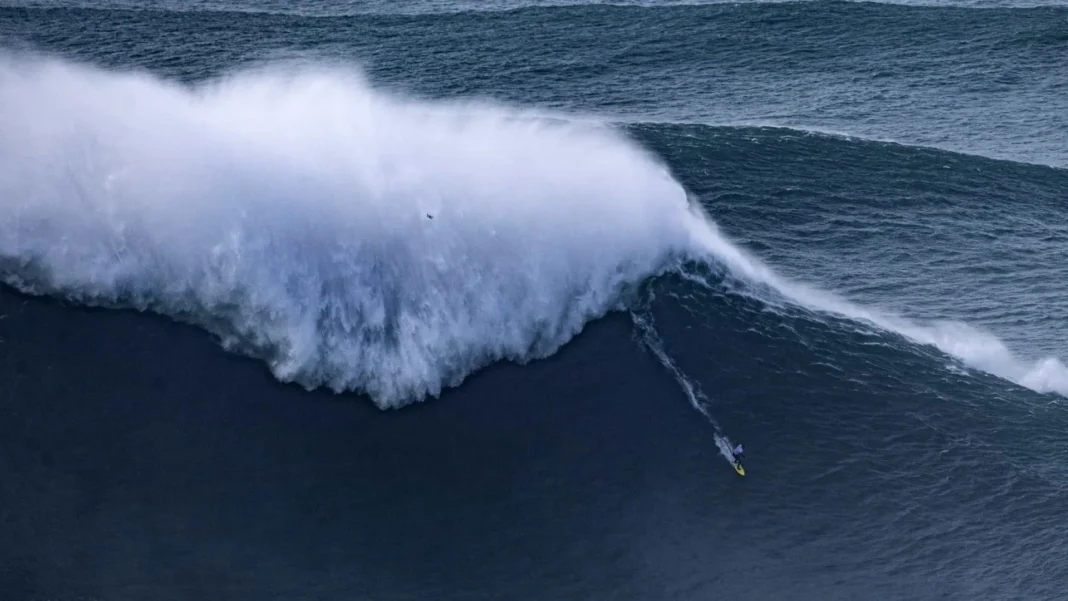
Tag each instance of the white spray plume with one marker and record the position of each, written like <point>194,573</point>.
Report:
<point>348,238</point>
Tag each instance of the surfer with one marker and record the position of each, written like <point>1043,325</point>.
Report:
<point>736,459</point>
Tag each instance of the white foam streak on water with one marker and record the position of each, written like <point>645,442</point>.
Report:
<point>650,338</point>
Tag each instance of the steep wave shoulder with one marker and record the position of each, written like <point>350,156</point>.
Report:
<point>973,346</point>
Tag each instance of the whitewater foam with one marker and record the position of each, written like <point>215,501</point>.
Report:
<point>356,240</point>
<point>350,239</point>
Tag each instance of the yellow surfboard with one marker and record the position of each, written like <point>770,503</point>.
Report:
<point>738,468</point>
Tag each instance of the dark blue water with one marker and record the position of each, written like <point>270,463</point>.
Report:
<point>462,301</point>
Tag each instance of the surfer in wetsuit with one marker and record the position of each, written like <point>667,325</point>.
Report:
<point>737,452</point>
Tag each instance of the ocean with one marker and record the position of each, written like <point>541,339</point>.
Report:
<point>445,299</point>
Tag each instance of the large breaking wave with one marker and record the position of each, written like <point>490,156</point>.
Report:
<point>350,239</point>
<point>353,239</point>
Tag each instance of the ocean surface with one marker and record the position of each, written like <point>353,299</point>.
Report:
<point>440,299</point>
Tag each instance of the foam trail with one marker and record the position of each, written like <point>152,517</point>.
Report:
<point>650,338</point>
<point>288,211</point>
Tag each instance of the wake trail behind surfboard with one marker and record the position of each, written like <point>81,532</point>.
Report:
<point>650,338</point>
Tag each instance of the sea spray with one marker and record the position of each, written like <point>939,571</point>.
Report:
<point>350,239</point>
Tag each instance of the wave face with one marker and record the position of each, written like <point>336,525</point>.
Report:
<point>842,329</point>
<point>350,239</point>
